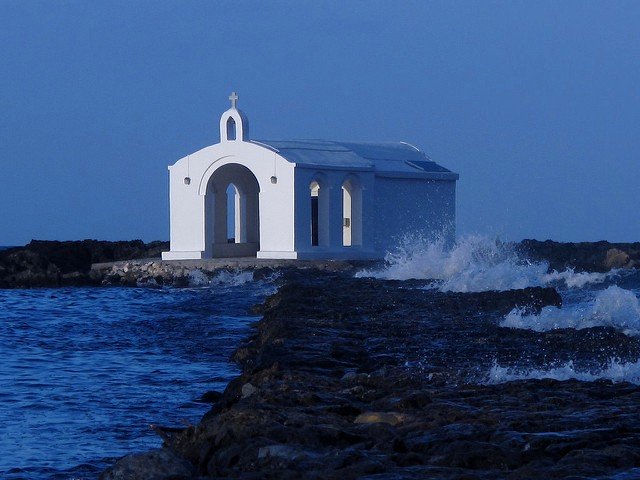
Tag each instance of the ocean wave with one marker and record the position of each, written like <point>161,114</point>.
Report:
<point>232,278</point>
<point>615,370</point>
<point>574,279</point>
<point>473,264</point>
<point>226,278</point>
<point>613,307</point>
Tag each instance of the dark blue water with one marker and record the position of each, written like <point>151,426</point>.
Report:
<point>84,371</point>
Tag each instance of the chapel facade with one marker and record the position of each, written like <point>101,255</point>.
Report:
<point>303,199</point>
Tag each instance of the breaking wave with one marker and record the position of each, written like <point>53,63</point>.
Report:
<point>233,278</point>
<point>227,278</point>
<point>613,307</point>
<point>615,370</point>
<point>473,264</point>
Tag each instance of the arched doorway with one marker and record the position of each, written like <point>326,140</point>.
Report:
<point>232,212</point>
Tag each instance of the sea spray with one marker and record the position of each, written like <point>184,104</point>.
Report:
<point>615,370</point>
<point>613,307</point>
<point>474,263</point>
<point>225,278</point>
<point>232,278</point>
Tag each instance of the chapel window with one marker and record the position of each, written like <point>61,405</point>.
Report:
<point>234,215</point>
<point>351,214</point>
<point>315,194</point>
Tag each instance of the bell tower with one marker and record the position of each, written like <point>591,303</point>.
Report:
<point>234,125</point>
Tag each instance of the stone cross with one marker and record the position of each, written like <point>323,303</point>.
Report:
<point>234,98</point>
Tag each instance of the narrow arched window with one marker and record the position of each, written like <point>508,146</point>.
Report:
<point>231,129</point>
<point>351,214</point>
<point>314,189</point>
<point>234,215</point>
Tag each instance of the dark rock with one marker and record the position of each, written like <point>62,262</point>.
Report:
<point>363,378</point>
<point>53,263</point>
<point>350,378</point>
<point>584,256</point>
<point>210,397</point>
<point>160,464</point>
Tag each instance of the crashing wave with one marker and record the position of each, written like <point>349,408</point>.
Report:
<point>225,278</point>
<point>197,278</point>
<point>473,264</point>
<point>615,370</point>
<point>232,278</point>
<point>613,307</point>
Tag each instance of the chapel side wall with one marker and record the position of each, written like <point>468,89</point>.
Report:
<point>331,182</point>
<point>186,211</point>
<point>413,207</point>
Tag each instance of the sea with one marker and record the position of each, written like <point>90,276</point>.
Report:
<point>84,372</point>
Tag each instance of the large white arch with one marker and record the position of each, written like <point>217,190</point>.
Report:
<point>247,242</point>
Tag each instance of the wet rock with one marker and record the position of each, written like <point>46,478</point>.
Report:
<point>52,263</point>
<point>160,464</point>
<point>248,390</point>
<point>359,378</point>
<point>616,258</point>
<point>392,418</point>
<point>585,256</point>
<point>211,396</point>
<point>285,452</point>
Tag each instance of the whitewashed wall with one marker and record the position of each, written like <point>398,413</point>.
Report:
<point>187,202</point>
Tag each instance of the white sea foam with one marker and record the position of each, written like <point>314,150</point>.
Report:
<point>197,278</point>
<point>232,278</point>
<point>473,264</point>
<point>226,278</point>
<point>615,370</point>
<point>578,280</point>
<point>613,307</point>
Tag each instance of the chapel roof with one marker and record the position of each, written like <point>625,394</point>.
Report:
<point>381,157</point>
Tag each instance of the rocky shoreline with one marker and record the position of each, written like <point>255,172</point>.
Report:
<point>126,264</point>
<point>349,377</point>
<point>134,263</point>
<point>358,378</point>
<point>43,263</point>
<point>583,256</point>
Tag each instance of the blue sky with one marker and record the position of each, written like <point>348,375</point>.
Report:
<point>535,104</point>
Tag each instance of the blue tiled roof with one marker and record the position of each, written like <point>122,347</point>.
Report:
<point>380,157</point>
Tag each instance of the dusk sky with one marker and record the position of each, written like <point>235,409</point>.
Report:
<point>535,104</point>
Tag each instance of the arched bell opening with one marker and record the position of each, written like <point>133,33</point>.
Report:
<point>232,224</point>
<point>231,129</point>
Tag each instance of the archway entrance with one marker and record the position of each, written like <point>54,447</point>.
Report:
<point>232,212</point>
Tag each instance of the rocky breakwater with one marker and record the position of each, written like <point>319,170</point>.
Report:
<point>362,378</point>
<point>148,273</point>
<point>582,256</point>
<point>53,264</point>
<point>182,273</point>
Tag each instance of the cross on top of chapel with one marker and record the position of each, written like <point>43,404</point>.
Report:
<point>234,99</point>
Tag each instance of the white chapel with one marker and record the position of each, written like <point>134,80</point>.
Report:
<point>303,199</point>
